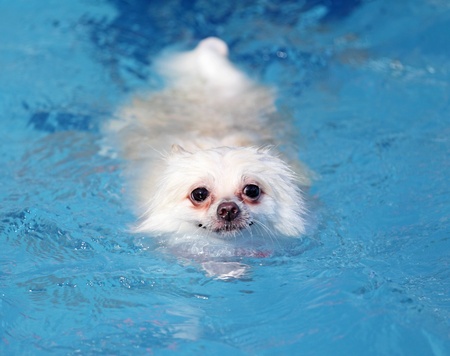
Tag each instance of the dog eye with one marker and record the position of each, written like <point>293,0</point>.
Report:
<point>252,191</point>
<point>199,194</point>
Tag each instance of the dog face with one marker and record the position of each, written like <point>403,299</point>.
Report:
<point>224,193</point>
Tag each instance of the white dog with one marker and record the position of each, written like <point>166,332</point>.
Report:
<point>205,175</point>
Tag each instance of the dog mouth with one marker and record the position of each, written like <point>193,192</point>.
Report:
<point>226,229</point>
<point>229,220</point>
<point>230,228</point>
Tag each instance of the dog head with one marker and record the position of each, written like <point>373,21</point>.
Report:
<point>224,192</point>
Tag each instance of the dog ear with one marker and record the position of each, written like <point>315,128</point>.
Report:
<point>266,149</point>
<point>178,149</point>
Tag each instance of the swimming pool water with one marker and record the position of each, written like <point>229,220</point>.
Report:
<point>368,85</point>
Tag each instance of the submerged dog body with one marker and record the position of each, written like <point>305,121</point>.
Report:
<point>199,151</point>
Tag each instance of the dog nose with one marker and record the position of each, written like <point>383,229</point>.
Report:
<point>228,211</point>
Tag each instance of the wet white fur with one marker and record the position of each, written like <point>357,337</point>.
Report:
<point>221,124</point>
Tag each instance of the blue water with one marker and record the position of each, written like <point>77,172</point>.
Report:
<point>368,85</point>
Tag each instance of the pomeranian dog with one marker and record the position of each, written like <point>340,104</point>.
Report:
<point>201,153</point>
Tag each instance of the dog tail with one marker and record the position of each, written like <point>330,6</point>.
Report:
<point>206,66</point>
